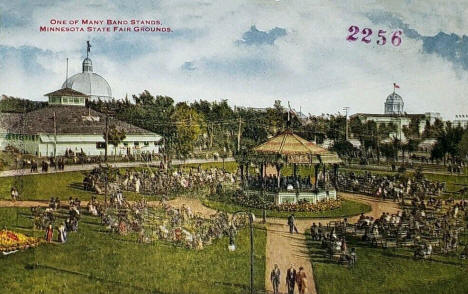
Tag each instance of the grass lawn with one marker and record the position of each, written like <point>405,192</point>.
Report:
<point>348,208</point>
<point>44,186</point>
<point>383,271</point>
<point>94,261</point>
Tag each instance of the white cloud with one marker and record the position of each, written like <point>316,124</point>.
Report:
<point>313,66</point>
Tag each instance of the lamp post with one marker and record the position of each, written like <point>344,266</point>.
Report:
<point>232,246</point>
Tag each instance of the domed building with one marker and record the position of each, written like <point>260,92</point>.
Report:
<point>89,83</point>
<point>66,125</point>
<point>394,104</point>
<point>395,114</point>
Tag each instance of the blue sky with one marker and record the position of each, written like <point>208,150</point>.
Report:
<point>250,52</point>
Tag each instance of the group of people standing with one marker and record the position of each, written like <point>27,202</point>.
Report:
<point>293,277</point>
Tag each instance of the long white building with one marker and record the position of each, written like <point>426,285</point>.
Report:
<point>60,126</point>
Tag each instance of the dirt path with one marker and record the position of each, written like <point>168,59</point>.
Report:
<point>284,249</point>
<point>194,204</point>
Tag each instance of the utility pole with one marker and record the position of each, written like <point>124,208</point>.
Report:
<point>211,137</point>
<point>66,77</point>
<point>55,135</point>
<point>251,220</point>
<point>346,108</point>
<point>107,137</point>
<point>239,134</point>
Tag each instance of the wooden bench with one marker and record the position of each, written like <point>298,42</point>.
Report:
<point>389,243</point>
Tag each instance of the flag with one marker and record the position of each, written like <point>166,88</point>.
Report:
<point>396,86</point>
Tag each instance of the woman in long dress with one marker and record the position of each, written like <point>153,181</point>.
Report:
<point>301,281</point>
<point>49,233</point>
<point>62,234</point>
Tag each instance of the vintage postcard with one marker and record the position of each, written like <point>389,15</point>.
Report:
<point>236,146</point>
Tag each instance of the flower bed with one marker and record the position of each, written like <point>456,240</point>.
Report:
<point>10,241</point>
<point>238,197</point>
<point>309,207</point>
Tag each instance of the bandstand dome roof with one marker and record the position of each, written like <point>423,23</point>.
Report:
<point>296,149</point>
<point>89,83</point>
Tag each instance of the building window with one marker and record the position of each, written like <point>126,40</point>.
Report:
<point>125,143</point>
<point>76,100</point>
<point>65,100</point>
<point>100,145</point>
<point>146,143</point>
<point>136,143</point>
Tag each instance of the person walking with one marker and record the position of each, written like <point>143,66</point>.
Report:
<point>49,233</point>
<point>292,226</point>
<point>275,279</point>
<point>301,280</point>
<point>62,234</point>
<point>14,194</point>
<point>291,279</point>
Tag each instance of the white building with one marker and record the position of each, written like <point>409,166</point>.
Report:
<point>394,113</point>
<point>460,120</point>
<point>66,123</point>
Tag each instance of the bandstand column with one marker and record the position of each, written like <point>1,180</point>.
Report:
<point>335,175</point>
<point>316,172</point>
<point>324,176</point>
<point>278,169</point>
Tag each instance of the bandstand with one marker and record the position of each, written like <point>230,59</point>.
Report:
<point>290,149</point>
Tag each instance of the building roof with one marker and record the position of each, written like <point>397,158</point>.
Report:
<point>66,92</point>
<point>288,143</point>
<point>394,98</point>
<point>295,148</point>
<point>69,120</point>
<point>9,120</point>
<point>89,82</point>
<point>409,115</point>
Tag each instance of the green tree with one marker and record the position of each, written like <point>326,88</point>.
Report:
<point>115,137</point>
<point>447,143</point>
<point>343,147</point>
<point>356,128</point>
<point>189,125</point>
<point>463,145</point>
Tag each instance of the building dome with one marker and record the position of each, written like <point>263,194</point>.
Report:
<point>89,83</point>
<point>394,104</point>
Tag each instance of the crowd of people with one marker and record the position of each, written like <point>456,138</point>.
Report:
<point>293,278</point>
<point>157,181</point>
<point>179,226</point>
<point>388,187</point>
<point>422,226</point>
<point>286,183</point>
<point>48,219</point>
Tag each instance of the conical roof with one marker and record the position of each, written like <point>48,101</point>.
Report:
<point>295,150</point>
<point>288,143</point>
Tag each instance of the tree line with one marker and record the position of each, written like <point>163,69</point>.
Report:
<point>188,128</point>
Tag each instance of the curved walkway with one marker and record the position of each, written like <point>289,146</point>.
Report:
<point>282,248</point>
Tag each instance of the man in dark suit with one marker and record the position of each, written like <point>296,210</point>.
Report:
<point>292,226</point>
<point>275,279</point>
<point>291,279</point>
